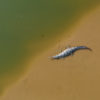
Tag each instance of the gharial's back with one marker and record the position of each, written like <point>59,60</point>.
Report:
<point>69,51</point>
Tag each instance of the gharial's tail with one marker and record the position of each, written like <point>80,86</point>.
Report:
<point>89,49</point>
<point>84,47</point>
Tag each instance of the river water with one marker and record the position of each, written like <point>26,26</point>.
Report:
<point>28,26</point>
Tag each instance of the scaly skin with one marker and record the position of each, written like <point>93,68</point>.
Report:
<point>69,51</point>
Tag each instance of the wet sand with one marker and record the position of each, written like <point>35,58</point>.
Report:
<point>74,78</point>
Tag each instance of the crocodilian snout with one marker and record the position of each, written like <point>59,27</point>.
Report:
<point>54,58</point>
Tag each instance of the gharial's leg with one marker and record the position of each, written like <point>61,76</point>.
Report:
<point>72,54</point>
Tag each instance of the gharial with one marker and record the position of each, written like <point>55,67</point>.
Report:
<point>69,51</point>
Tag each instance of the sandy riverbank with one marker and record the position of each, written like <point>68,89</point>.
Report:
<point>73,78</point>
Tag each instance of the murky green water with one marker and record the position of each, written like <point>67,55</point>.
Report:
<point>27,27</point>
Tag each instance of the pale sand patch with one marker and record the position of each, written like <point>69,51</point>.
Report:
<point>73,78</point>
